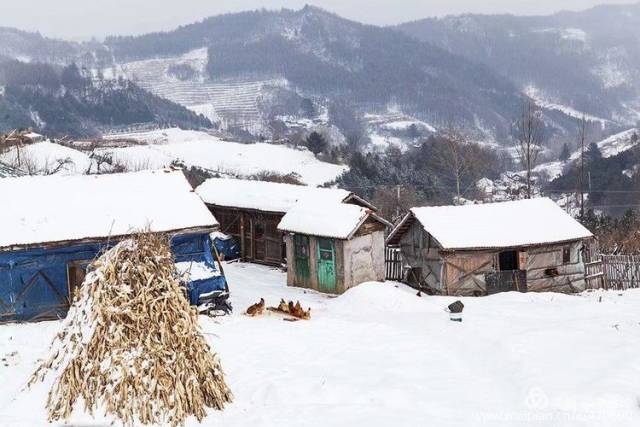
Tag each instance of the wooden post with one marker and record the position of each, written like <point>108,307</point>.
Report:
<point>242,236</point>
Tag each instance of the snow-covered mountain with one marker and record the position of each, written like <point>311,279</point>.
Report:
<point>277,73</point>
<point>255,67</point>
<point>580,63</point>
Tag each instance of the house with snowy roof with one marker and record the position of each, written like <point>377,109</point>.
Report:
<point>524,245</point>
<point>52,227</point>
<point>332,247</point>
<point>250,211</point>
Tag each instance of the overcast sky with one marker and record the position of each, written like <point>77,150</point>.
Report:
<point>86,18</point>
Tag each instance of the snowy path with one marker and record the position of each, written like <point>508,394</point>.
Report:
<point>381,356</point>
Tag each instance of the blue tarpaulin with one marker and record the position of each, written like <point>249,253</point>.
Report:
<point>226,246</point>
<point>34,283</point>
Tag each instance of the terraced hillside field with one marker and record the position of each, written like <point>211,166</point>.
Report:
<point>230,102</point>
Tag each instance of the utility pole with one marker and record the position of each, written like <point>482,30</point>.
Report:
<point>397,201</point>
<point>582,138</point>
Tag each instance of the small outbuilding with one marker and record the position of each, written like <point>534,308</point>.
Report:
<point>525,245</point>
<point>332,247</point>
<point>250,211</point>
<point>52,227</point>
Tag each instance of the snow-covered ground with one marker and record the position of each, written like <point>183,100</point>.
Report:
<point>379,355</point>
<point>610,146</point>
<point>46,157</point>
<point>210,152</point>
<point>615,144</point>
<point>543,102</point>
<point>393,128</point>
<point>503,187</point>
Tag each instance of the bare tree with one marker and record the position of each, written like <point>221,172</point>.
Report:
<point>528,131</point>
<point>395,200</point>
<point>454,156</point>
<point>582,136</point>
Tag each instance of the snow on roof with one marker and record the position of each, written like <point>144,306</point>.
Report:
<point>44,209</point>
<point>500,225</point>
<point>264,196</point>
<point>45,157</point>
<point>317,218</point>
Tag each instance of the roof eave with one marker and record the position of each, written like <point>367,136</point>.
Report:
<point>398,228</point>
<point>96,239</point>
<point>517,246</point>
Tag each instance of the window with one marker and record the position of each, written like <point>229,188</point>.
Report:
<point>508,260</point>
<point>301,246</point>
<point>326,249</point>
<point>566,255</point>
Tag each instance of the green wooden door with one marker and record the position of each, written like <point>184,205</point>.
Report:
<point>301,249</point>
<point>326,265</point>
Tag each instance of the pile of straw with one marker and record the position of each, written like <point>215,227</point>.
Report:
<point>131,344</point>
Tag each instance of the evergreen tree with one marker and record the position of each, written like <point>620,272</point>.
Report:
<point>413,131</point>
<point>316,143</point>
<point>565,153</point>
<point>71,77</point>
<point>593,153</point>
<point>306,105</point>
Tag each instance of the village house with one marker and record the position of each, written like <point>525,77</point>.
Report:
<point>332,247</point>
<point>525,245</point>
<point>52,227</point>
<point>250,211</point>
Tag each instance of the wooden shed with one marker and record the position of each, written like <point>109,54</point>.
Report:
<point>525,245</point>
<point>250,211</point>
<point>333,247</point>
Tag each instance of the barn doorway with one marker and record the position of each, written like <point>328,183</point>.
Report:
<point>508,276</point>
<point>508,261</point>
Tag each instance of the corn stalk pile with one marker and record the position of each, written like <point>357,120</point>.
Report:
<point>131,345</point>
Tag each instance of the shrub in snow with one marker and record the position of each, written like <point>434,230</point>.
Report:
<point>131,344</point>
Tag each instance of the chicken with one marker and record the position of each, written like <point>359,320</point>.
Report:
<point>300,313</point>
<point>256,309</point>
<point>283,307</point>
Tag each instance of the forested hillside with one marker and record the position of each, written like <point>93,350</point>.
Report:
<point>582,62</point>
<point>64,101</point>
<point>321,54</point>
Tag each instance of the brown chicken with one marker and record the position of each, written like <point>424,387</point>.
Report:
<point>299,312</point>
<point>283,306</point>
<point>256,309</point>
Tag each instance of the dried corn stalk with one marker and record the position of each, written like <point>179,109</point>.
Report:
<point>131,344</point>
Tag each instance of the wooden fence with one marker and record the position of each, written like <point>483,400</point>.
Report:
<point>594,275</point>
<point>621,271</point>
<point>393,264</point>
